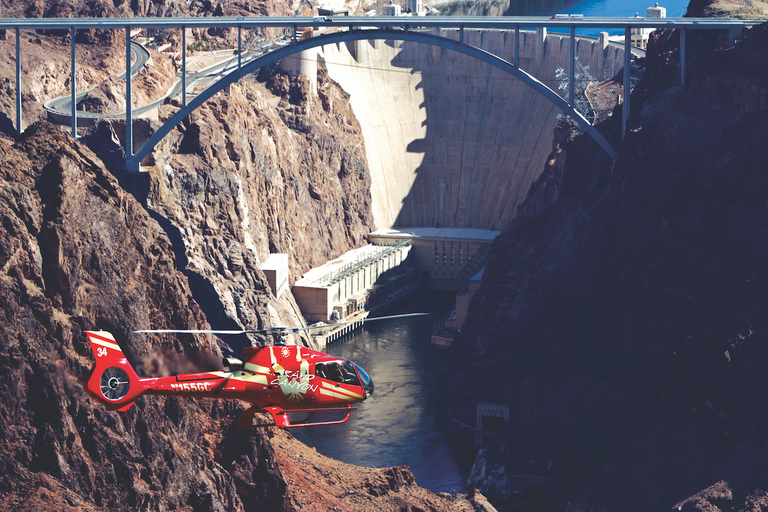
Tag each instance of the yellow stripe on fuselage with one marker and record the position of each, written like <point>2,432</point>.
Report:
<point>339,392</point>
<point>334,394</point>
<point>256,368</point>
<point>245,377</point>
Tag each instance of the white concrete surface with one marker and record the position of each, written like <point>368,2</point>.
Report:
<point>451,141</point>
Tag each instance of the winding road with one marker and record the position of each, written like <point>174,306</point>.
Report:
<point>60,109</point>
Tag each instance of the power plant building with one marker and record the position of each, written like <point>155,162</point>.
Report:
<point>347,284</point>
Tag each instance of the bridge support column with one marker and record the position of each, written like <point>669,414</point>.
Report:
<point>183,66</point>
<point>572,77</point>
<point>437,52</point>
<point>19,127</point>
<point>128,102</point>
<point>627,72</point>
<point>74,83</point>
<point>682,57</point>
<point>604,42</point>
<point>302,63</point>
<point>734,33</point>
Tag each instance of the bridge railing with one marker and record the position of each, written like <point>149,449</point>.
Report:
<point>352,24</point>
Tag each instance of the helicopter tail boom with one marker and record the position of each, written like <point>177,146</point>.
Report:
<point>113,382</point>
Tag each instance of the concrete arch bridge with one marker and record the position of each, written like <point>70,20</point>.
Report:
<point>472,130</point>
<point>472,122</point>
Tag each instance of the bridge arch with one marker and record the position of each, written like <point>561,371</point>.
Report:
<point>369,34</point>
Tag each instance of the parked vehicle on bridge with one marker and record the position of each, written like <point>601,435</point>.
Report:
<point>322,19</point>
<point>567,17</point>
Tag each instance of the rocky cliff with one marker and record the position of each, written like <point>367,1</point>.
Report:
<point>622,316</point>
<point>263,168</point>
<point>78,252</point>
<point>262,171</point>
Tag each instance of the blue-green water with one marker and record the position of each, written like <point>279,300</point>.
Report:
<point>396,426</point>
<point>589,8</point>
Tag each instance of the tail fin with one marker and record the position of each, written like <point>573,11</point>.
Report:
<point>112,380</point>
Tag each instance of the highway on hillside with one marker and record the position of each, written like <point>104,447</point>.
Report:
<point>60,109</point>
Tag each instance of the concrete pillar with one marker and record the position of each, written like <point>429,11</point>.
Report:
<point>128,98</point>
<point>183,66</point>
<point>682,57</point>
<point>302,63</point>
<point>19,127</point>
<point>73,114</point>
<point>603,50</point>
<point>627,72</point>
<point>541,43</point>
<point>572,73</point>
<point>734,33</point>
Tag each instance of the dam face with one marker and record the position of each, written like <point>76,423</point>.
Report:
<point>452,141</point>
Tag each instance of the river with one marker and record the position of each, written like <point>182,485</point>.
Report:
<point>396,426</point>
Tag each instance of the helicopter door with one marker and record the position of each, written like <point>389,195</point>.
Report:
<point>338,382</point>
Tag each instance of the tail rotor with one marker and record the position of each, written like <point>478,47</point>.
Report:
<point>112,381</point>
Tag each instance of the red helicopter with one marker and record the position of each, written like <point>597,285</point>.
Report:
<point>280,379</point>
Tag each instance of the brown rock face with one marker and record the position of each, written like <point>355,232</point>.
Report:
<point>77,252</point>
<point>625,324</point>
<point>241,179</point>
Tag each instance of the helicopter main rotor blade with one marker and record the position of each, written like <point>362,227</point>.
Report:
<point>183,331</point>
<point>367,319</point>
<point>286,330</point>
<point>395,316</point>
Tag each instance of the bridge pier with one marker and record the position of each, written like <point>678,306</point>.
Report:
<point>74,82</point>
<point>302,63</point>
<point>19,128</point>
<point>128,98</point>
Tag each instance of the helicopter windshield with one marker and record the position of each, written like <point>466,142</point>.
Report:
<point>367,381</point>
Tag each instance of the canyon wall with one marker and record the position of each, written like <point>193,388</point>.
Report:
<point>623,319</point>
<point>451,140</point>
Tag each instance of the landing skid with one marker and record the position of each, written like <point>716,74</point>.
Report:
<point>283,420</point>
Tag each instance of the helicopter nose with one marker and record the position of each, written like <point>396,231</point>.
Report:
<point>369,389</point>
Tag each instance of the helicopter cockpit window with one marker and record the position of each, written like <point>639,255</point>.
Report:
<point>338,371</point>
<point>320,370</point>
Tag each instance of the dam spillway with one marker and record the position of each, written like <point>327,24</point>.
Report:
<point>452,141</point>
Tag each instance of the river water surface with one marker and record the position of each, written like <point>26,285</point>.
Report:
<point>396,425</point>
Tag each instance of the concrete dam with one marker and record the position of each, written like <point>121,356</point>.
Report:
<point>453,145</point>
<point>452,141</point>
